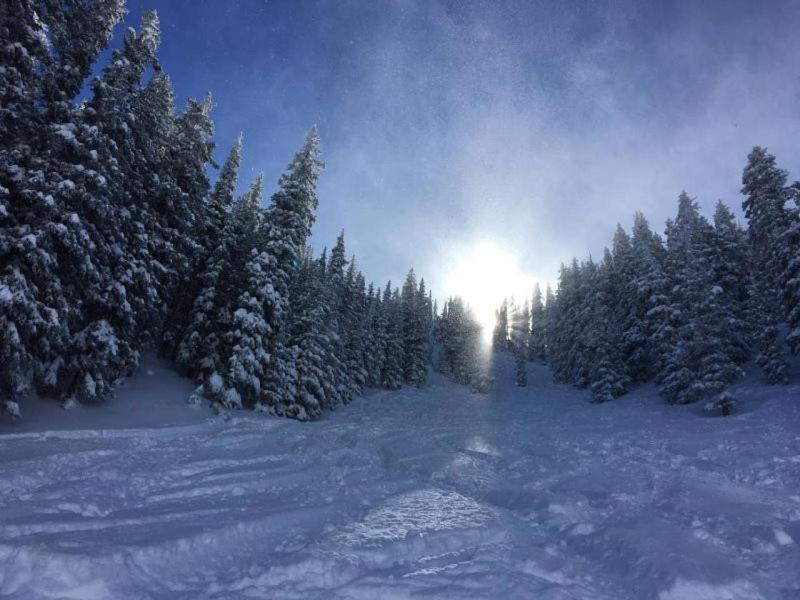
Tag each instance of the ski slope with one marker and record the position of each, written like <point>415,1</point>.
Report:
<point>437,492</point>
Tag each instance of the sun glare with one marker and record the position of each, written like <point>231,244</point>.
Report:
<point>483,273</point>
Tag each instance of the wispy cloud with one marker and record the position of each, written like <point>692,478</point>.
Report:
<point>539,125</point>
<point>544,127</point>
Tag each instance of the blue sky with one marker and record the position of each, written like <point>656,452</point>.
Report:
<point>530,127</point>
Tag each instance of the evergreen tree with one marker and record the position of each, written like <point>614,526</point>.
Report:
<point>500,333</point>
<point>252,316</point>
<point>310,334</point>
<point>291,216</point>
<point>789,251</point>
<point>352,329</point>
<point>459,336</point>
<point>764,188</point>
<point>221,198</point>
<point>65,332</point>
<point>608,374</point>
<point>219,208</point>
<point>549,321</point>
<point>425,321</point>
<point>537,340</point>
<point>122,298</point>
<point>189,222</point>
<point>415,351</point>
<point>337,300</point>
<point>202,351</point>
<point>377,338</point>
<point>618,276</point>
<point>77,33</point>
<point>25,58</point>
<point>764,312</point>
<point>392,375</point>
<point>728,259</point>
<point>696,364</point>
<point>645,290</point>
<point>571,347</point>
<point>519,336</point>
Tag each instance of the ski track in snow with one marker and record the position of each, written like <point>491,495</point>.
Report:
<point>437,492</point>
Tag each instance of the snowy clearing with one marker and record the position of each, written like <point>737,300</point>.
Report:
<point>436,492</point>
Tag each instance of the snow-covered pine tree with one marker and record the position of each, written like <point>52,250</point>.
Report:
<point>353,331</point>
<point>336,298</point>
<point>764,311</point>
<point>645,291</point>
<point>60,241</point>
<point>560,332</point>
<point>291,216</point>
<point>201,351</point>
<point>48,51</point>
<point>430,323</point>
<point>449,344</point>
<point>219,207</point>
<point>434,324</point>
<point>500,333</point>
<point>122,300</point>
<point>335,369</point>
<point>376,340</point>
<point>188,219</point>
<point>663,317</point>
<point>392,375</point>
<point>570,355</point>
<point>425,317</point>
<point>221,198</point>
<point>677,378</point>
<point>252,314</point>
<point>727,257</point>
<point>719,331</point>
<point>549,320</point>
<point>33,306</point>
<point>25,58</point>
<point>582,351</point>
<point>789,250</point>
<point>415,350</point>
<point>519,318</point>
<point>697,364</point>
<point>764,188</point>
<point>618,276</point>
<point>608,374</point>
<point>77,33</point>
<point>536,340</point>
<point>765,191</point>
<point>459,337</point>
<point>310,335</point>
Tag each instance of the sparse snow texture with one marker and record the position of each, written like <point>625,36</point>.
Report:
<point>435,492</point>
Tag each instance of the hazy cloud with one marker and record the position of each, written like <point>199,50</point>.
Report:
<point>537,125</point>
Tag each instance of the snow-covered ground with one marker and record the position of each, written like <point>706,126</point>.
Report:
<point>437,492</point>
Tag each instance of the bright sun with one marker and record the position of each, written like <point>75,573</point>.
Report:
<point>483,273</point>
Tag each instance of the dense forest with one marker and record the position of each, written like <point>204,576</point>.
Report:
<point>113,240</point>
<point>686,311</point>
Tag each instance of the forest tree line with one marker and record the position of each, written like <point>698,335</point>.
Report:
<point>686,310</point>
<point>114,241</point>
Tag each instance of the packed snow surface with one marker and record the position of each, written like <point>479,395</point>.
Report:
<point>437,492</point>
